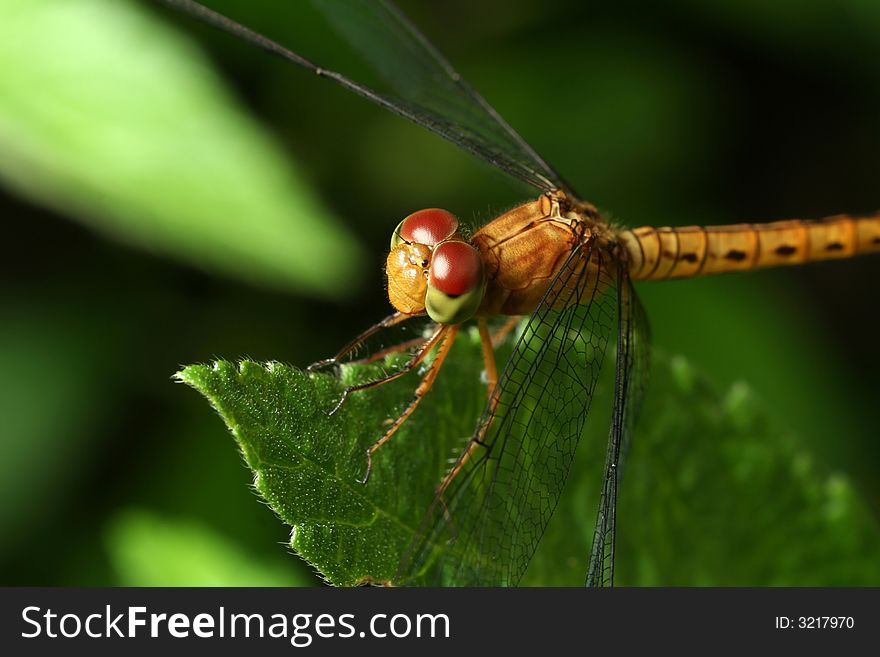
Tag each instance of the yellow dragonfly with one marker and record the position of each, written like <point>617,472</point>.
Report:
<point>556,264</point>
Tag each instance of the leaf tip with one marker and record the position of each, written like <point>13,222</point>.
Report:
<point>188,374</point>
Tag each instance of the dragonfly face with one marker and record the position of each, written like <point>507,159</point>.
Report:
<point>432,269</point>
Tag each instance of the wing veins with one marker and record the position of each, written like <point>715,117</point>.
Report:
<point>536,172</point>
<point>508,488</point>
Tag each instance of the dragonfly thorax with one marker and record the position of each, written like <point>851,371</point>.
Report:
<point>432,269</point>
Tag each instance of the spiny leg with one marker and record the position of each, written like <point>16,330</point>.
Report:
<point>487,343</point>
<point>423,351</point>
<point>465,456</point>
<point>393,349</point>
<point>391,320</point>
<point>447,334</point>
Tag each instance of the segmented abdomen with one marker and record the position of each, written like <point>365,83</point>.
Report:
<point>659,253</point>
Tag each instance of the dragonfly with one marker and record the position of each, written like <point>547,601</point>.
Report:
<point>554,268</point>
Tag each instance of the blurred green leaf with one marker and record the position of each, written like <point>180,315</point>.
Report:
<point>51,403</point>
<point>714,492</point>
<point>109,116</point>
<point>147,549</point>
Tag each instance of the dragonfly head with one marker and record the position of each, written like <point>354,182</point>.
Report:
<point>432,269</point>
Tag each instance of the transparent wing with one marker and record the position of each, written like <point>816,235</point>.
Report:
<point>629,385</point>
<point>427,90</point>
<point>484,528</point>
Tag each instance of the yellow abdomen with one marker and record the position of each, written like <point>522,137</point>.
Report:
<point>660,253</point>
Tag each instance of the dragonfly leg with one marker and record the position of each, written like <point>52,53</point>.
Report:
<point>505,329</point>
<point>456,468</point>
<point>488,356</point>
<point>447,334</point>
<point>427,345</point>
<point>492,381</point>
<point>393,349</point>
<point>391,320</point>
<point>488,343</point>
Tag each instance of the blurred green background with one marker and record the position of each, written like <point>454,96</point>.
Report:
<point>170,195</point>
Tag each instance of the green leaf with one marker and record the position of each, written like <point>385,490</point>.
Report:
<point>109,116</point>
<point>147,549</point>
<point>307,464</point>
<point>714,492</point>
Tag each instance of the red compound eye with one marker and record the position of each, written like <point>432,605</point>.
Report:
<point>456,269</point>
<point>429,227</point>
